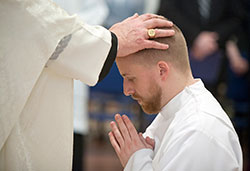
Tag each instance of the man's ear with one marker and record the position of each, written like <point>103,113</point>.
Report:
<point>163,68</point>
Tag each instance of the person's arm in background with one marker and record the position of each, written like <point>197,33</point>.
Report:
<point>196,39</point>
<point>226,23</point>
<point>238,64</point>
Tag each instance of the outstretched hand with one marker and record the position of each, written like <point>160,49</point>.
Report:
<point>125,139</point>
<point>132,33</point>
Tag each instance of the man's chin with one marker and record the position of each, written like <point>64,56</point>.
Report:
<point>149,111</point>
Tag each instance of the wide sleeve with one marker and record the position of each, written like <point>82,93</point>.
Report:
<point>87,55</point>
<point>141,160</point>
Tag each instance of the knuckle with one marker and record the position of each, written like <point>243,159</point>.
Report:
<point>139,40</point>
<point>135,141</point>
<point>149,44</point>
<point>157,32</point>
<point>134,32</point>
<point>131,128</point>
<point>147,15</point>
<point>155,22</point>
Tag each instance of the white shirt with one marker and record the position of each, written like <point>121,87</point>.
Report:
<point>192,133</point>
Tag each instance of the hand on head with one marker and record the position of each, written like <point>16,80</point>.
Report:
<point>132,33</point>
<point>125,139</point>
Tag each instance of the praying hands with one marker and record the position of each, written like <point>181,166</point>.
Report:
<point>126,140</point>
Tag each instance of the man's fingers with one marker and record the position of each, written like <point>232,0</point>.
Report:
<point>133,17</point>
<point>164,33</point>
<point>116,133</point>
<point>158,22</point>
<point>122,127</point>
<point>143,139</point>
<point>145,17</point>
<point>149,44</point>
<point>114,143</point>
<point>131,129</point>
<point>150,142</point>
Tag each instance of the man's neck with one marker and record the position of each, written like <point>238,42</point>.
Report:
<point>175,85</point>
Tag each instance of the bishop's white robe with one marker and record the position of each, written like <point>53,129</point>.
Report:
<point>192,133</point>
<point>36,93</point>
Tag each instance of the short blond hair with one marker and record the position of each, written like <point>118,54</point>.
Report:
<point>176,54</point>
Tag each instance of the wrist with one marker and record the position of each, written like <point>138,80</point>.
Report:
<point>117,41</point>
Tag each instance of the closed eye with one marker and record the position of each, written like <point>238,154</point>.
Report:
<point>131,79</point>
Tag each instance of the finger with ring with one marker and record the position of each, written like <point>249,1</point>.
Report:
<point>151,33</point>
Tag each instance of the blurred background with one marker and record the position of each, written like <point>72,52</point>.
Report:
<point>217,34</point>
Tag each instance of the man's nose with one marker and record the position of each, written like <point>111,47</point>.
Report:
<point>128,90</point>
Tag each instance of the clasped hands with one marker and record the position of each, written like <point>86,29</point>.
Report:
<point>126,140</point>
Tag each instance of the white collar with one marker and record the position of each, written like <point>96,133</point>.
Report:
<point>182,98</point>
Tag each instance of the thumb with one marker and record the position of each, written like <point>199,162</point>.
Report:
<point>150,142</point>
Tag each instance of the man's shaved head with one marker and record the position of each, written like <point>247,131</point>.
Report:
<point>176,54</point>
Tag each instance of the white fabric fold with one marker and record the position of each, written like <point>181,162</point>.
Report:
<point>36,102</point>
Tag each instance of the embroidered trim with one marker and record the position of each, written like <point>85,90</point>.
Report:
<point>60,47</point>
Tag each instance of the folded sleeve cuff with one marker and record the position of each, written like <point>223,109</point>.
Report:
<point>141,160</point>
<point>110,59</point>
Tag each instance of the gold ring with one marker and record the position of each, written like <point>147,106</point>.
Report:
<point>151,33</point>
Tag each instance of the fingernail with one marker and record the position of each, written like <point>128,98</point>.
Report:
<point>136,14</point>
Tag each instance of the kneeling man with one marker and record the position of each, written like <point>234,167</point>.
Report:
<point>191,131</point>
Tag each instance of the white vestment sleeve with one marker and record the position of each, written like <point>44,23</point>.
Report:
<point>141,160</point>
<point>84,56</point>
